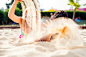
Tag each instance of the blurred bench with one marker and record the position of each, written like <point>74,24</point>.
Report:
<point>83,26</point>
<point>12,27</point>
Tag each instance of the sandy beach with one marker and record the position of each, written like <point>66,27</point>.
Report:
<point>9,47</point>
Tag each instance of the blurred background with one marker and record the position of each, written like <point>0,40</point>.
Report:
<point>76,10</point>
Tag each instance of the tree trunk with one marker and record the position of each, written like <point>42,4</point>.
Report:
<point>74,14</point>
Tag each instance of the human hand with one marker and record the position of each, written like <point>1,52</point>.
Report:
<point>18,0</point>
<point>48,23</point>
<point>51,27</point>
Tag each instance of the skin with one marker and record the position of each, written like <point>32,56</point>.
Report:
<point>49,36</point>
<point>11,14</point>
<point>52,17</point>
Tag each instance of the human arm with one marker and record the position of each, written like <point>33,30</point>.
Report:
<point>48,37</point>
<point>11,14</point>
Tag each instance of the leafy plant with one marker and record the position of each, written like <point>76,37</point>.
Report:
<point>74,4</point>
<point>2,14</point>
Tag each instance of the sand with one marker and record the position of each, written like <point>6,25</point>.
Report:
<point>9,47</point>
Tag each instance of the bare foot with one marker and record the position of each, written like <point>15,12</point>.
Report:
<point>39,40</point>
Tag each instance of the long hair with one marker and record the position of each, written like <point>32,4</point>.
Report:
<point>60,14</point>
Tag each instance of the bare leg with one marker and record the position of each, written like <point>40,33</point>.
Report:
<point>45,39</point>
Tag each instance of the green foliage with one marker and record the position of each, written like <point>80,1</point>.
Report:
<point>7,19</point>
<point>71,2</point>
<point>18,11</point>
<point>82,14</point>
<point>2,14</point>
<point>84,5</point>
<point>7,10</point>
<point>19,5</point>
<point>75,4</point>
<point>6,16</point>
<point>70,13</point>
<point>46,13</point>
<point>11,2</point>
<point>8,6</point>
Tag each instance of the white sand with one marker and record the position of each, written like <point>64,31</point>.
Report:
<point>9,47</point>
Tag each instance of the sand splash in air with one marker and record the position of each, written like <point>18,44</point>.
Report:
<point>67,30</point>
<point>10,47</point>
